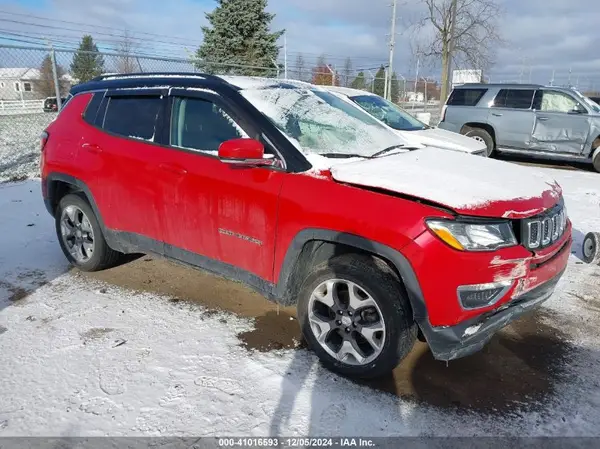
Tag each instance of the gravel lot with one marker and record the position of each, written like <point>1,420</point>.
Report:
<point>20,143</point>
<point>152,348</point>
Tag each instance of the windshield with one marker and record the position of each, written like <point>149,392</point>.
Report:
<point>592,104</point>
<point>389,113</point>
<point>319,122</point>
<point>588,101</point>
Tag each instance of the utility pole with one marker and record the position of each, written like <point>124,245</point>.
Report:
<point>385,87</point>
<point>388,82</point>
<point>416,82</point>
<point>453,12</point>
<point>285,55</point>
<point>276,66</point>
<point>552,80</point>
<point>332,74</point>
<point>56,80</point>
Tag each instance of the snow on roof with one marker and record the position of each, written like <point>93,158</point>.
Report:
<point>18,73</point>
<point>347,91</point>
<point>257,82</point>
<point>120,76</point>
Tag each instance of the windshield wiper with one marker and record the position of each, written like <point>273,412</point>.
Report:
<point>344,155</point>
<point>388,149</point>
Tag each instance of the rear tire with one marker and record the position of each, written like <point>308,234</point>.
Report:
<point>80,235</point>
<point>381,332</point>
<point>483,136</point>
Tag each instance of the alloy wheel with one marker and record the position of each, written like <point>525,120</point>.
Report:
<point>77,233</point>
<point>346,321</point>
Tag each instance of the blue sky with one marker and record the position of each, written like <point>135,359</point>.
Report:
<point>541,35</point>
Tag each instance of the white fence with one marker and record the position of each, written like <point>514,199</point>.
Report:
<point>16,107</point>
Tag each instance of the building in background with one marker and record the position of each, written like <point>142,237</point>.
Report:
<point>466,76</point>
<point>24,84</point>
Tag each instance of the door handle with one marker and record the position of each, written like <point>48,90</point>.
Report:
<point>543,119</point>
<point>173,169</point>
<point>92,148</point>
<point>496,114</point>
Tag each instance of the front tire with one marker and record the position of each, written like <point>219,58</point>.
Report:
<point>80,235</point>
<point>481,135</point>
<point>355,316</point>
<point>596,162</point>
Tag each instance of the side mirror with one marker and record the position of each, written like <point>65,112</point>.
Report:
<point>578,110</point>
<point>244,152</point>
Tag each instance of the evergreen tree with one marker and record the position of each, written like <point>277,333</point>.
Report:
<point>45,84</point>
<point>239,35</point>
<point>379,84</point>
<point>395,95</point>
<point>87,63</point>
<point>359,81</point>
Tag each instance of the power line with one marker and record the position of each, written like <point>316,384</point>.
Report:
<point>64,38</point>
<point>95,26</point>
<point>86,31</point>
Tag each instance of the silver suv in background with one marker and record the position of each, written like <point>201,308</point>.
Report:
<point>549,122</point>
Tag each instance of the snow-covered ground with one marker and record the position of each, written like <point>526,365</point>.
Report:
<point>79,356</point>
<point>20,144</point>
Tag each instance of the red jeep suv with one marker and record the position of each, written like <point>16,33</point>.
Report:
<point>312,202</point>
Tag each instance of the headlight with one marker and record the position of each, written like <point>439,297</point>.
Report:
<point>473,236</point>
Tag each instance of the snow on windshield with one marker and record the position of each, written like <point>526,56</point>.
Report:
<point>388,112</point>
<point>319,121</point>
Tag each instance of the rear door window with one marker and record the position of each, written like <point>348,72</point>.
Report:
<point>134,116</point>
<point>514,98</point>
<point>466,97</point>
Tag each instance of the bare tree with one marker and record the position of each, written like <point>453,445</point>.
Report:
<point>468,40</point>
<point>300,66</point>
<point>126,62</point>
<point>347,71</point>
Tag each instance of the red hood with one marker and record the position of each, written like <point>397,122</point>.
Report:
<point>469,185</point>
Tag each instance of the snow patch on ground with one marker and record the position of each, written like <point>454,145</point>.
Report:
<point>85,358</point>
<point>20,144</point>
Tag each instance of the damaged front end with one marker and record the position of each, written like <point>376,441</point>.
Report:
<point>453,342</point>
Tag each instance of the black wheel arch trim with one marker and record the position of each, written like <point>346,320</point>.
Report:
<point>81,186</point>
<point>396,258</point>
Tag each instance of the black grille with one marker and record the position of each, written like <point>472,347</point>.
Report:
<point>545,229</point>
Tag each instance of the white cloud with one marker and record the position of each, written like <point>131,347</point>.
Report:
<point>541,34</point>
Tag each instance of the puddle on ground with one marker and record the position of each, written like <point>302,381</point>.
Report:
<point>521,365</point>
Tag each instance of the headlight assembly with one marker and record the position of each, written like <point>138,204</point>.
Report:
<point>473,236</point>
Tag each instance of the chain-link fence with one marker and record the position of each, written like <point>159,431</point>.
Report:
<point>33,81</point>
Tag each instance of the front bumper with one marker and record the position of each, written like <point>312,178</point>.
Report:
<point>468,337</point>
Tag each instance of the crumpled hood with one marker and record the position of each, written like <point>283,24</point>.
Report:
<point>467,184</point>
<point>441,138</point>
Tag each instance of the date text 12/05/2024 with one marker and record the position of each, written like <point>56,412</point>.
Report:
<point>295,442</point>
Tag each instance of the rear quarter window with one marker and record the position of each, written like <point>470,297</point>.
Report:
<point>466,97</point>
<point>134,116</point>
<point>92,108</point>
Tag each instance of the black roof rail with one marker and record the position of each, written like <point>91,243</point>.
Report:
<point>158,75</point>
